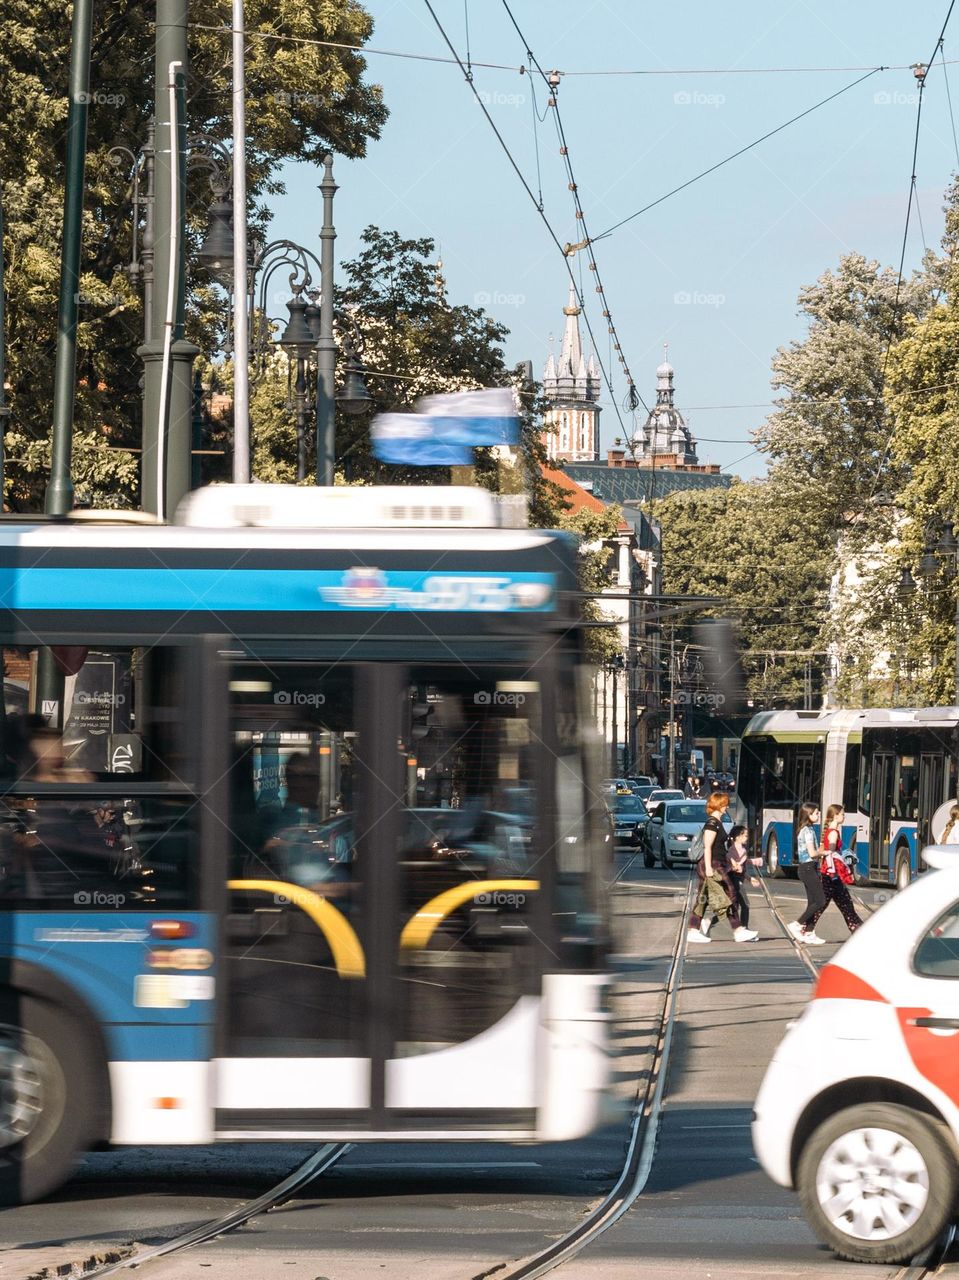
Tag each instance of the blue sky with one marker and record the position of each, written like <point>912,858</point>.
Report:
<point>716,269</point>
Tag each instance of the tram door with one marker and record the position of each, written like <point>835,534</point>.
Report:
<point>881,786</point>
<point>932,770</point>
<point>385,905</point>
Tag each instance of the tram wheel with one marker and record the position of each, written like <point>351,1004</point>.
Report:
<point>47,1097</point>
<point>772,858</point>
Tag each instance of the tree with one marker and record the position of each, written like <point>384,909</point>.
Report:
<point>305,99</point>
<point>828,442</point>
<point>743,545</point>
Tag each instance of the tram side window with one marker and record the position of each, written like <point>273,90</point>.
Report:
<point>122,715</point>
<point>850,780</point>
<point>122,712</point>
<point>906,803</point>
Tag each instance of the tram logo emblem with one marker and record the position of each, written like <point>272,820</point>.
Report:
<point>362,588</point>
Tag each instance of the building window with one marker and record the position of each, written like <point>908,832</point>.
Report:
<point>564,433</point>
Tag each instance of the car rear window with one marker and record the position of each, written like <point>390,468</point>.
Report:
<point>686,813</point>
<point>937,955</point>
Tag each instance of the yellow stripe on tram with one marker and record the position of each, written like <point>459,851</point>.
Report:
<point>339,933</point>
<point>421,927</point>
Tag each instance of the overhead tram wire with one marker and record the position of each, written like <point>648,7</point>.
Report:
<point>633,398</point>
<point>529,191</point>
<point>905,233</point>
<point>952,116</point>
<point>742,151</point>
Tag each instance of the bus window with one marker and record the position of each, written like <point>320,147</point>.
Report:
<point>865,781</point>
<point>906,802</point>
<point>850,779</point>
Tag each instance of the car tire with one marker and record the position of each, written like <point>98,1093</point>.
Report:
<point>919,1146</point>
<point>903,870</point>
<point>773,868</point>
<point>666,860</point>
<point>50,1097</point>
<point>648,860</point>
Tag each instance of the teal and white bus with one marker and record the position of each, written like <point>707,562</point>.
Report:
<point>301,835</point>
<point>894,772</point>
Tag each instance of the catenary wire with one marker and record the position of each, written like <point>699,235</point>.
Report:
<point>742,151</point>
<point>633,397</point>
<point>529,191</point>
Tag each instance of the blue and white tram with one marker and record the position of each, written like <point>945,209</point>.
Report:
<point>301,833</point>
<point>893,770</point>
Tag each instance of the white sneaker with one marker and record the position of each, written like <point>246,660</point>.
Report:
<point>745,935</point>
<point>813,940</point>
<point>795,928</point>
<point>694,935</point>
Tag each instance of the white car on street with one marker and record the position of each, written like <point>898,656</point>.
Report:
<point>859,1109</point>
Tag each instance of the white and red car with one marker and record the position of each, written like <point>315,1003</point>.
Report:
<point>859,1108</point>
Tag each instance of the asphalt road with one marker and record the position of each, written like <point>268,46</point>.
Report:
<point>453,1212</point>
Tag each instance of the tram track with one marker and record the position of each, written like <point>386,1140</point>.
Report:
<point>317,1164</point>
<point>641,1141</point>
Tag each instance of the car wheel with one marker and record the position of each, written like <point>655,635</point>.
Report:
<point>665,859</point>
<point>903,870</point>
<point>878,1182</point>
<point>648,860</point>
<point>772,857</point>
<point>47,1097</point>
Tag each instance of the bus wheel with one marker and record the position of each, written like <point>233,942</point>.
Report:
<point>46,1097</point>
<point>903,870</point>
<point>772,858</point>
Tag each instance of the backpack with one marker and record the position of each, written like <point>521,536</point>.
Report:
<point>698,847</point>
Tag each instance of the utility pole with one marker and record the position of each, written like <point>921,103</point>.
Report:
<point>615,755</point>
<point>241,354</point>
<point>325,346</point>
<point>671,772</point>
<point>59,495</point>
<point>167,443</point>
<point>4,411</point>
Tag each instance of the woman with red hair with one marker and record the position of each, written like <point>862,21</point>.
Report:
<point>717,895</point>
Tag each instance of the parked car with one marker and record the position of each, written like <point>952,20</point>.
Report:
<point>859,1108</point>
<point>617,787</point>
<point>629,818</point>
<point>671,830</point>
<point>659,796</point>
<point>637,781</point>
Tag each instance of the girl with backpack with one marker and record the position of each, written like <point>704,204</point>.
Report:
<point>716,893</point>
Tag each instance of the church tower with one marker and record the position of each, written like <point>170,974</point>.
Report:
<point>665,432</point>
<point>571,385</point>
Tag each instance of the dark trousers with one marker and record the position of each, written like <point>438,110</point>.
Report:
<point>738,880</point>
<point>835,891</point>
<point>815,894</point>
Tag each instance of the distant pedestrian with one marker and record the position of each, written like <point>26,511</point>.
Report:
<point>834,876</point>
<point>809,853</point>
<point>694,790</point>
<point>739,863</point>
<point>717,896</point>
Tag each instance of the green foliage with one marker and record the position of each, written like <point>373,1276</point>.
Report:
<point>745,545</point>
<point>596,530</point>
<point>304,100</point>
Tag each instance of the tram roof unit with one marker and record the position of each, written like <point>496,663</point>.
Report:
<point>276,558</point>
<point>813,726</point>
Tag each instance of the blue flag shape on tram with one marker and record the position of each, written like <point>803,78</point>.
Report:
<point>474,417</point>
<point>411,438</point>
